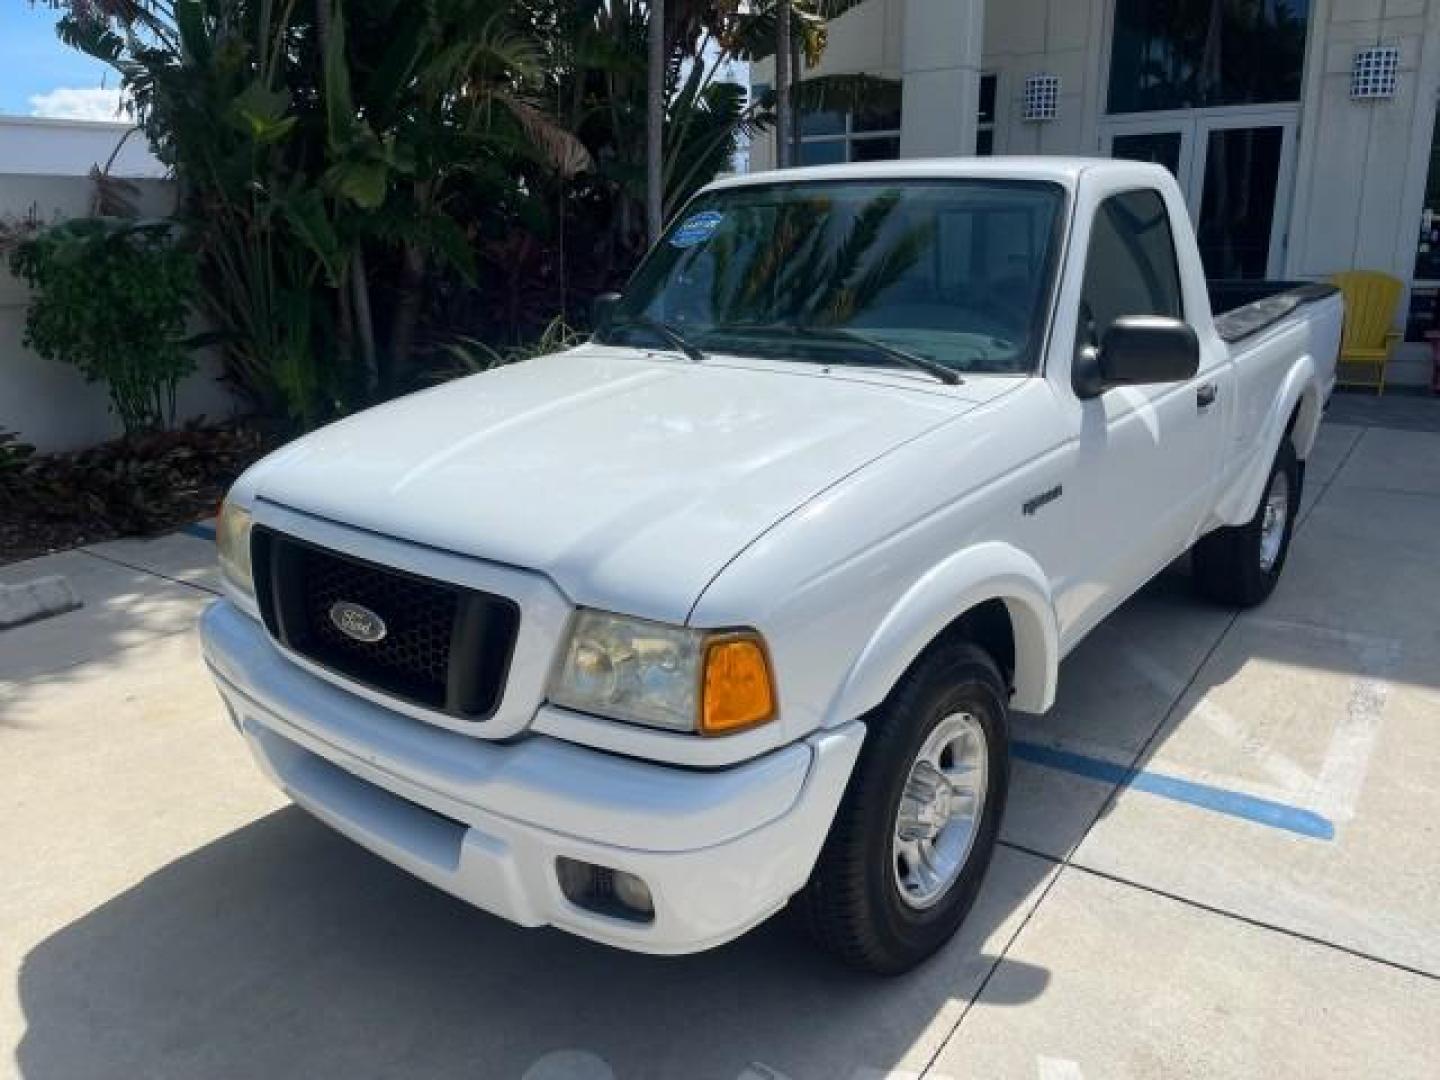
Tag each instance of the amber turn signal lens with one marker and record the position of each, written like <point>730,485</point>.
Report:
<point>738,692</point>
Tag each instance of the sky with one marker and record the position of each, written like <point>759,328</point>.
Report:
<point>39,76</point>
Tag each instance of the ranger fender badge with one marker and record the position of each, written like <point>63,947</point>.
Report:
<point>1043,499</point>
<point>358,623</point>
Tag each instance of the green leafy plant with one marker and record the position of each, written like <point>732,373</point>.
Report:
<point>366,180</point>
<point>463,355</point>
<point>111,297</point>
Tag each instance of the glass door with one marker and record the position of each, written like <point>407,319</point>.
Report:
<point>1235,169</point>
<point>1243,181</point>
<point>1157,147</point>
<point>1168,143</point>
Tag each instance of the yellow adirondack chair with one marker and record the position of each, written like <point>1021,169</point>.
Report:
<point>1370,302</point>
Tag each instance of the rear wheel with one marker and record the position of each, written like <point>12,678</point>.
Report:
<point>1239,566</point>
<point>917,827</point>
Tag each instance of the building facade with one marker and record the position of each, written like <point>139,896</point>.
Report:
<point>1303,132</point>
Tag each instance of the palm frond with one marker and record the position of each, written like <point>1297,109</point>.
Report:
<point>558,147</point>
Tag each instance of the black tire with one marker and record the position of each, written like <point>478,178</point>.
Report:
<point>852,905</point>
<point>1227,562</point>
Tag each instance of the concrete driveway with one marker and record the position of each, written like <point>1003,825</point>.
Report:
<point>1222,858</point>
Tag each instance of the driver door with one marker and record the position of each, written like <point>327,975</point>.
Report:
<point>1146,456</point>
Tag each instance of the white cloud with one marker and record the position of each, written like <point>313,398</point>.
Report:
<point>78,103</point>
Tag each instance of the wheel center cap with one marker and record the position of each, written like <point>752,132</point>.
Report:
<point>927,805</point>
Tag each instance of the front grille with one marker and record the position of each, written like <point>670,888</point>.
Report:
<point>444,646</point>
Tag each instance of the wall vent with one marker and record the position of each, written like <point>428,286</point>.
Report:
<point>1042,97</point>
<point>1376,73</point>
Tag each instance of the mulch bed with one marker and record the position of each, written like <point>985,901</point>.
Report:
<point>136,486</point>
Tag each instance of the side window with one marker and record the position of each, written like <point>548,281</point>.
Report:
<point>1131,268</point>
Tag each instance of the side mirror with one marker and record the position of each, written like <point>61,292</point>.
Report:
<point>1137,350</point>
<point>602,310</point>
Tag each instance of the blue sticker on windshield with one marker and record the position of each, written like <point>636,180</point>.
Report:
<point>696,229</point>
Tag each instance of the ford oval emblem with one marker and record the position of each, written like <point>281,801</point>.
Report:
<point>358,623</point>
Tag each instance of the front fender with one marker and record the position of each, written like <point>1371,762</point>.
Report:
<point>990,571</point>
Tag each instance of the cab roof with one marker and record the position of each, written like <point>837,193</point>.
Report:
<point>1061,170</point>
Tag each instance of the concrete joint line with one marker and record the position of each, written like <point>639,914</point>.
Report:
<point>1325,488</point>
<point>1224,913</point>
<point>153,573</point>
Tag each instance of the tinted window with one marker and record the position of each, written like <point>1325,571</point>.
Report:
<point>1131,267</point>
<point>1181,54</point>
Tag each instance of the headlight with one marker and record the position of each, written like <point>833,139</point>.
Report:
<point>665,676</point>
<point>232,539</point>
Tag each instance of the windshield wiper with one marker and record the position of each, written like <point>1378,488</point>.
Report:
<point>949,376</point>
<point>668,333</point>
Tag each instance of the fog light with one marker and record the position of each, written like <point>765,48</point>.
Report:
<point>634,894</point>
<point>615,893</point>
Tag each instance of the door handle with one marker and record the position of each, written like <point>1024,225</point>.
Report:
<point>1205,396</point>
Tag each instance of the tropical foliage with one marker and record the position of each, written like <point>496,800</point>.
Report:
<point>369,184</point>
<point>368,180</point>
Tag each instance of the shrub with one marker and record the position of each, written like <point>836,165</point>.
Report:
<point>110,296</point>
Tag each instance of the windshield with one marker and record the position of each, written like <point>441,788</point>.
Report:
<point>956,272</point>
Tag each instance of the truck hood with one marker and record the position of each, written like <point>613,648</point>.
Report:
<point>629,479</point>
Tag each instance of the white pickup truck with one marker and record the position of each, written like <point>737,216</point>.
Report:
<point>726,609</point>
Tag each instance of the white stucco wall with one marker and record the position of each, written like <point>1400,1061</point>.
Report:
<point>941,61</point>
<point>39,146</point>
<point>1047,37</point>
<point>1362,164</point>
<point>48,403</point>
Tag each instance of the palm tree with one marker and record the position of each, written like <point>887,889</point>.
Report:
<point>784,113</point>
<point>655,124</point>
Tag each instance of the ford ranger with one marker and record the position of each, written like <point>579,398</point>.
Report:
<point>725,610</point>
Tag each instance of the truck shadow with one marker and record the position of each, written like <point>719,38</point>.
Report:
<point>284,950</point>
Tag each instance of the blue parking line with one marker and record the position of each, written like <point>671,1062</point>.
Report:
<point>199,529</point>
<point>1235,804</point>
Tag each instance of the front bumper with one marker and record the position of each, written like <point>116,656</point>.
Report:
<point>721,850</point>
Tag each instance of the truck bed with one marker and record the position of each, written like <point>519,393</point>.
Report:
<point>1244,308</point>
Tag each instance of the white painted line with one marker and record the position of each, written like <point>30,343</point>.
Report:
<point>1292,781</point>
<point>1337,790</point>
<point>1048,1068</point>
